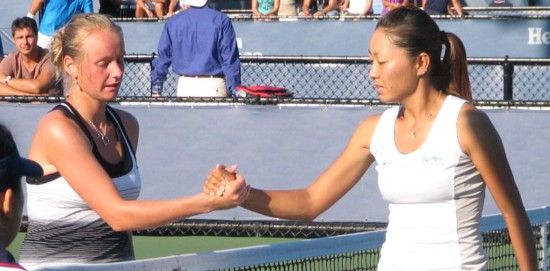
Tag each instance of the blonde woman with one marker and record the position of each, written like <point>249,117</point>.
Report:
<point>84,208</point>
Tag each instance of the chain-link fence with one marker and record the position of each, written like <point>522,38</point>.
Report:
<point>346,78</point>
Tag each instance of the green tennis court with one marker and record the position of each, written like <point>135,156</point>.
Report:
<point>147,247</point>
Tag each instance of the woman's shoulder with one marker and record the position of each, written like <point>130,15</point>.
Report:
<point>474,126</point>
<point>126,117</point>
<point>55,121</point>
<point>130,124</point>
<point>470,114</point>
<point>368,125</point>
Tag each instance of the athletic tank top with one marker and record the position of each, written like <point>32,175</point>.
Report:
<point>62,228</point>
<point>435,197</point>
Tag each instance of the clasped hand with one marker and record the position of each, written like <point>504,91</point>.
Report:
<point>225,187</point>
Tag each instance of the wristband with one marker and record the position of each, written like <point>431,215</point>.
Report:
<point>30,15</point>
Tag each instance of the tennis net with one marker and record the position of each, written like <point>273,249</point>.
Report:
<point>355,251</point>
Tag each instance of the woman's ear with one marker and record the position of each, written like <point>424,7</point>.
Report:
<point>422,64</point>
<point>70,66</point>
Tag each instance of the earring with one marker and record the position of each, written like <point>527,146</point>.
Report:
<point>77,84</point>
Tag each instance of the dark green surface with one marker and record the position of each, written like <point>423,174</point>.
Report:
<point>159,246</point>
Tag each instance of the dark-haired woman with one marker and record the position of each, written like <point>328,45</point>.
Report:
<point>435,154</point>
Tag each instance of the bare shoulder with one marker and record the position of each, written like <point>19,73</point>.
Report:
<point>373,119</point>
<point>474,128</point>
<point>56,124</point>
<point>128,120</point>
<point>471,118</point>
<point>131,125</point>
<point>365,130</point>
<point>56,136</point>
<point>370,122</point>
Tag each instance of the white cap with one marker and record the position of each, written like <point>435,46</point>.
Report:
<point>195,3</point>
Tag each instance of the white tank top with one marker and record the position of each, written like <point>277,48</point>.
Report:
<point>62,228</point>
<point>435,197</point>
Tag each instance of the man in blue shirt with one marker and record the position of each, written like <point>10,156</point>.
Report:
<point>200,44</point>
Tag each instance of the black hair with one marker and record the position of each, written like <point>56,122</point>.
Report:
<point>22,23</point>
<point>413,30</point>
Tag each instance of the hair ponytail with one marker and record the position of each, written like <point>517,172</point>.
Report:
<point>56,53</point>
<point>457,66</point>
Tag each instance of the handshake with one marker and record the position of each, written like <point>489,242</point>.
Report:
<point>225,188</point>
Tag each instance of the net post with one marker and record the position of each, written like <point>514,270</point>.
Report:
<point>544,240</point>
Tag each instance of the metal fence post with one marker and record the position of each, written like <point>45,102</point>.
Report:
<point>508,80</point>
<point>153,55</point>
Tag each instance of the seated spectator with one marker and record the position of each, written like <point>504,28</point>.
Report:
<point>442,7</point>
<point>176,6</point>
<point>287,8</point>
<point>263,8</point>
<point>143,9</point>
<point>391,4</point>
<point>320,8</point>
<point>377,7</point>
<point>500,3</point>
<point>160,7</point>
<point>28,70</point>
<point>356,7</point>
<point>110,7</point>
<point>12,167</point>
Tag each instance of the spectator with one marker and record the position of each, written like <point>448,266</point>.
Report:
<point>435,153</point>
<point>357,7</point>
<point>12,167</point>
<point>200,44</point>
<point>28,70</point>
<point>287,8</point>
<point>56,14</point>
<point>442,7</point>
<point>320,8</point>
<point>262,8</point>
<point>84,208</point>
<point>143,9</point>
<point>377,7</point>
<point>160,8</point>
<point>176,6</point>
<point>391,4</point>
<point>500,3</point>
<point>110,7</point>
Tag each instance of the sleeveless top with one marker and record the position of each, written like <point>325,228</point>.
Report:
<point>287,8</point>
<point>435,197</point>
<point>264,6</point>
<point>62,227</point>
<point>436,7</point>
